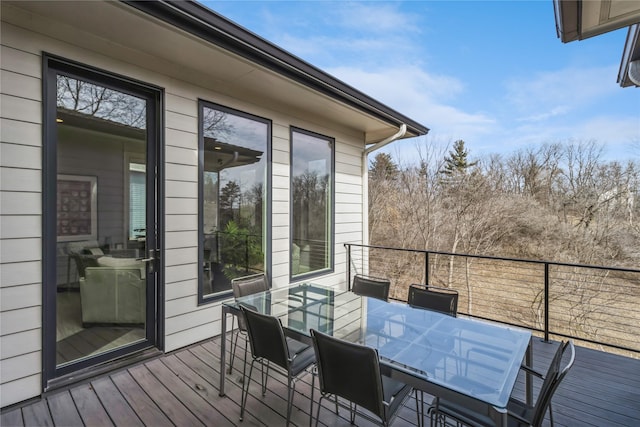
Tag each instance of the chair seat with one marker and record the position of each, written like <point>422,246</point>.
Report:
<point>475,419</point>
<point>394,393</point>
<point>304,355</point>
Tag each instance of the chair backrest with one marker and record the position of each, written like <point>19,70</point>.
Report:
<point>371,287</point>
<point>349,370</point>
<point>552,380</point>
<point>248,285</point>
<point>266,337</point>
<point>438,299</point>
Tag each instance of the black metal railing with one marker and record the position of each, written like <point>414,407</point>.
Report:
<point>594,304</point>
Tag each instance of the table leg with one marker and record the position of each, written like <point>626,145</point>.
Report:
<point>223,350</point>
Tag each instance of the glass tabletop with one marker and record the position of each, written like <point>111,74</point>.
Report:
<point>477,358</point>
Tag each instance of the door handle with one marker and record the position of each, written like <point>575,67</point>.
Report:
<point>150,261</point>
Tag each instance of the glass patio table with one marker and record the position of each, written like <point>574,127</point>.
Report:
<point>465,360</point>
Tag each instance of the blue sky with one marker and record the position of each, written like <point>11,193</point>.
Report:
<point>492,73</point>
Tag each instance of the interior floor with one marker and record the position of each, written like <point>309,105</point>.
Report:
<point>75,341</point>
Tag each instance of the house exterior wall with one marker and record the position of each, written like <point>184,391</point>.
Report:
<point>24,38</point>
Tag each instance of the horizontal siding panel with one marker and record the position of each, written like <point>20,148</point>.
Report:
<point>15,108</point>
<point>180,289</point>
<point>347,198</point>
<point>280,157</point>
<point>181,206</point>
<point>349,180</point>
<point>19,61</point>
<point>281,232</point>
<point>348,217</point>
<point>20,156</point>
<point>179,172</point>
<point>181,256</point>
<point>178,306</point>
<point>280,170</point>
<point>20,343</point>
<point>342,228</point>
<point>17,297</point>
<point>347,169</point>
<point>14,203</point>
<point>192,319</point>
<point>181,121</point>
<point>20,250</point>
<point>181,189</point>
<point>280,220</point>
<point>181,222</point>
<point>183,156</point>
<point>280,182</point>
<point>348,188</point>
<point>19,390</point>
<point>14,179</point>
<point>186,273</point>
<point>188,337</point>
<point>280,207</point>
<point>24,319</point>
<point>20,273</point>
<point>180,239</point>
<point>21,366</point>
<point>21,133</point>
<point>180,138</point>
<point>181,105</point>
<point>349,208</point>
<point>21,85</point>
<point>279,244</point>
<point>20,226</point>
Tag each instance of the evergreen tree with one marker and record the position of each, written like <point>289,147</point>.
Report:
<point>383,167</point>
<point>457,162</point>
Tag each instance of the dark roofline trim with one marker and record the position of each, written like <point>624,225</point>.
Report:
<point>202,22</point>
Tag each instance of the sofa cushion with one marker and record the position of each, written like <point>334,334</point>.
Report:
<point>107,261</point>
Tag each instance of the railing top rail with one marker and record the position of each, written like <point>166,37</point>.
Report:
<point>531,261</point>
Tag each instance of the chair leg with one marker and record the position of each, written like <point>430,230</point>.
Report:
<point>291,389</point>
<point>420,407</point>
<point>245,387</point>
<point>313,384</point>
<point>232,349</point>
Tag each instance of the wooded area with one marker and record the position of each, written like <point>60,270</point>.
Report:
<point>558,202</point>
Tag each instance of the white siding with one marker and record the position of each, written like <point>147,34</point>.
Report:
<point>23,43</point>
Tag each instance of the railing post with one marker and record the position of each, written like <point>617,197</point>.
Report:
<point>546,302</point>
<point>348,266</point>
<point>426,268</point>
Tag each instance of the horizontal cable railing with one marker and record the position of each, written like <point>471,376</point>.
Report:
<point>594,304</point>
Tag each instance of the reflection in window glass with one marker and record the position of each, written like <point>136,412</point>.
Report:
<point>233,185</point>
<point>311,202</point>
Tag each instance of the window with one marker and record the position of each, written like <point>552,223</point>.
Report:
<point>312,177</point>
<point>233,203</point>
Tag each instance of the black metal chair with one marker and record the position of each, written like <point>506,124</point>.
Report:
<point>352,372</point>
<point>520,413</point>
<point>374,287</point>
<point>242,286</point>
<point>270,346</point>
<point>443,300</point>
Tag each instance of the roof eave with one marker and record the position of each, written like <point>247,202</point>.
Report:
<point>202,22</point>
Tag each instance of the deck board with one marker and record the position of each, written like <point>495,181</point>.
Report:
<point>181,388</point>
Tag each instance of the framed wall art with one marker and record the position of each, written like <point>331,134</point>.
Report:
<point>77,216</point>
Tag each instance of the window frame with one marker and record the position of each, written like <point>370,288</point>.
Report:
<point>331,203</point>
<point>266,233</point>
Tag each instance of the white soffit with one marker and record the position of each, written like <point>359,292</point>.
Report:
<point>144,41</point>
<point>601,16</point>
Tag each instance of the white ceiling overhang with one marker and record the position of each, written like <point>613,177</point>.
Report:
<point>581,19</point>
<point>184,47</point>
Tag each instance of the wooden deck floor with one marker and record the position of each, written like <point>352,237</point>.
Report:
<point>181,388</point>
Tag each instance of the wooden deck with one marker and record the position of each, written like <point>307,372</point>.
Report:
<point>181,388</point>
